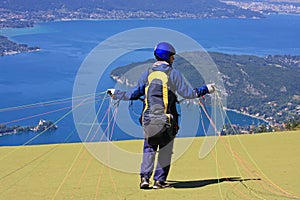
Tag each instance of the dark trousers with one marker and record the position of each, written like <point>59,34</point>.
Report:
<point>163,163</point>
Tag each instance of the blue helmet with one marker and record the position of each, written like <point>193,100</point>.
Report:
<point>163,51</point>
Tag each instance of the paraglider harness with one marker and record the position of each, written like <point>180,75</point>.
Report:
<point>157,121</point>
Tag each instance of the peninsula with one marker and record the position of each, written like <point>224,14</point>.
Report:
<point>43,125</point>
<point>8,47</point>
<point>263,87</point>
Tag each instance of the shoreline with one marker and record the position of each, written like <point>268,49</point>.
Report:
<point>247,114</point>
<point>265,15</point>
<point>10,53</point>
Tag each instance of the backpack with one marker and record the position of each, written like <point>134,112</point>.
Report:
<point>157,122</point>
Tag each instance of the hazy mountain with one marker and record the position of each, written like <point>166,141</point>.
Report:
<point>190,6</point>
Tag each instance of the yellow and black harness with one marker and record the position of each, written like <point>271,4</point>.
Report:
<point>157,119</point>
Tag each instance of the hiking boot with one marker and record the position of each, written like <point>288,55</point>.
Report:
<point>160,185</point>
<point>144,183</point>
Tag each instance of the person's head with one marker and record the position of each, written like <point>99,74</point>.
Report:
<point>164,51</point>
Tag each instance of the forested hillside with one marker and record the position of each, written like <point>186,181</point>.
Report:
<point>264,86</point>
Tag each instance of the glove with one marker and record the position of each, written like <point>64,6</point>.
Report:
<point>110,92</point>
<point>211,87</point>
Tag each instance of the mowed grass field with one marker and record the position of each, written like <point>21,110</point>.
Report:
<point>262,166</point>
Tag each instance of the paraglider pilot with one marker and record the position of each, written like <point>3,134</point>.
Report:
<point>160,85</point>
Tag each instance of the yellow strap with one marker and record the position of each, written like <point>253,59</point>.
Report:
<point>164,78</point>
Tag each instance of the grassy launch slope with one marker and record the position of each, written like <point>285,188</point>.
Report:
<point>264,166</point>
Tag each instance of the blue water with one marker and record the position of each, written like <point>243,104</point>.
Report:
<point>49,74</point>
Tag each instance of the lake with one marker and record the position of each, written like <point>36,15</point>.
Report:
<point>49,74</point>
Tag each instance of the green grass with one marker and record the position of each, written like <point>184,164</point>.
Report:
<point>231,171</point>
